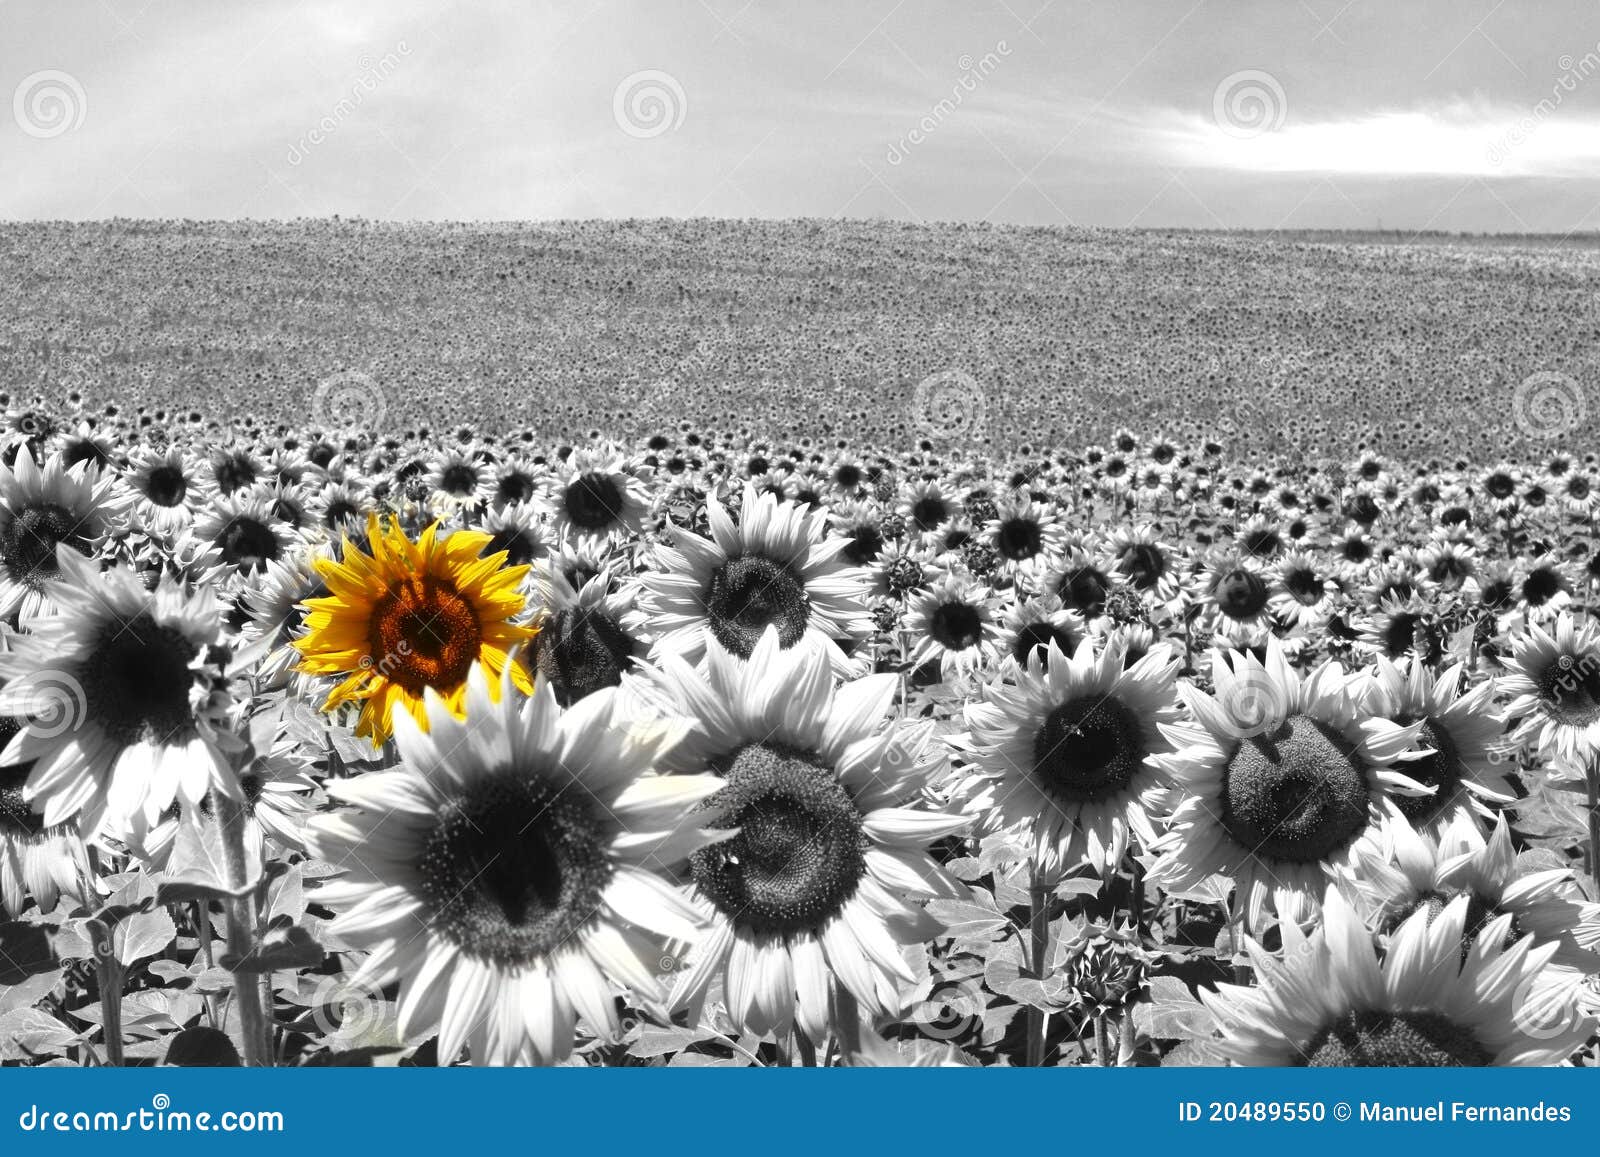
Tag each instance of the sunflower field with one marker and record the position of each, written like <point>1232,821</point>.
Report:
<point>337,746</point>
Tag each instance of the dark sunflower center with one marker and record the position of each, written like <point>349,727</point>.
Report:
<point>593,501</point>
<point>514,868</point>
<point>234,472</point>
<point>1500,485</point>
<point>340,510</point>
<point>1407,632</point>
<point>1479,914</point>
<point>1356,550</point>
<point>16,815</point>
<point>1241,594</point>
<point>248,544</point>
<point>1304,585</point>
<point>580,651</point>
<point>1263,543</point>
<point>1441,770</point>
<point>515,487</point>
<point>928,512</point>
<point>1144,564</point>
<point>136,681</point>
<point>423,633</point>
<point>1019,538</point>
<point>866,543</point>
<point>956,626</point>
<point>458,480</point>
<point>1084,590</point>
<point>520,546</point>
<point>1542,584</point>
<point>1363,509</point>
<point>1395,1040</point>
<point>28,540</point>
<point>1570,686</point>
<point>1578,487</point>
<point>1295,793</point>
<point>798,856</point>
<point>749,594</point>
<point>1088,749</point>
<point>166,486</point>
<point>1038,636</point>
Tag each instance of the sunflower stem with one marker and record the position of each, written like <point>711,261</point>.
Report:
<point>1127,1040</point>
<point>1241,974</point>
<point>807,1050</point>
<point>241,931</point>
<point>1102,1041</point>
<point>202,931</point>
<point>1039,957</point>
<point>848,1014</point>
<point>1591,779</point>
<point>108,978</point>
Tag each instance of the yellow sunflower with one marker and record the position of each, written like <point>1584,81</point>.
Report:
<point>410,616</point>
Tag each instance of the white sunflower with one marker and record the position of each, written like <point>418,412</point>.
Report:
<point>821,886</point>
<point>505,872</point>
<point>1285,779</point>
<point>1067,754</point>
<point>774,568</point>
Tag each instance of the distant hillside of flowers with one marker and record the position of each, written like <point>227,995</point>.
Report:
<point>342,744</point>
<point>1005,340</point>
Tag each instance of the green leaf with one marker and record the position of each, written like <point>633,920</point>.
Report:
<point>967,920</point>
<point>1172,1012</point>
<point>27,1034</point>
<point>142,934</point>
<point>285,947</point>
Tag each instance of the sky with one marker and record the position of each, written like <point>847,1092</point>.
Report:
<point>1454,115</point>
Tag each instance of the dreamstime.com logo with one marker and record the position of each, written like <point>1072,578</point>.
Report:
<point>159,1117</point>
<point>49,103</point>
<point>1249,103</point>
<point>649,103</point>
<point>1574,73</point>
<point>53,702</point>
<point>372,75</point>
<point>973,74</point>
<point>349,399</point>
<point>1549,404</point>
<point>950,406</point>
<point>1252,702</point>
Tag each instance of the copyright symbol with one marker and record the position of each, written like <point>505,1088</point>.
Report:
<point>1341,1112</point>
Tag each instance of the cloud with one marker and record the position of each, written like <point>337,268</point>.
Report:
<point>1467,140</point>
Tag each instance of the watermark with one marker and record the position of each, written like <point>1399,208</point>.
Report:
<point>1548,404</point>
<point>345,1013</point>
<point>953,1007</point>
<point>53,702</point>
<point>368,81</point>
<point>48,104</point>
<point>950,406</point>
<point>1573,73</point>
<point>1545,1008</point>
<point>158,1117</point>
<point>1249,103</point>
<point>649,104</point>
<point>973,73</point>
<point>349,399</point>
<point>1252,702</point>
